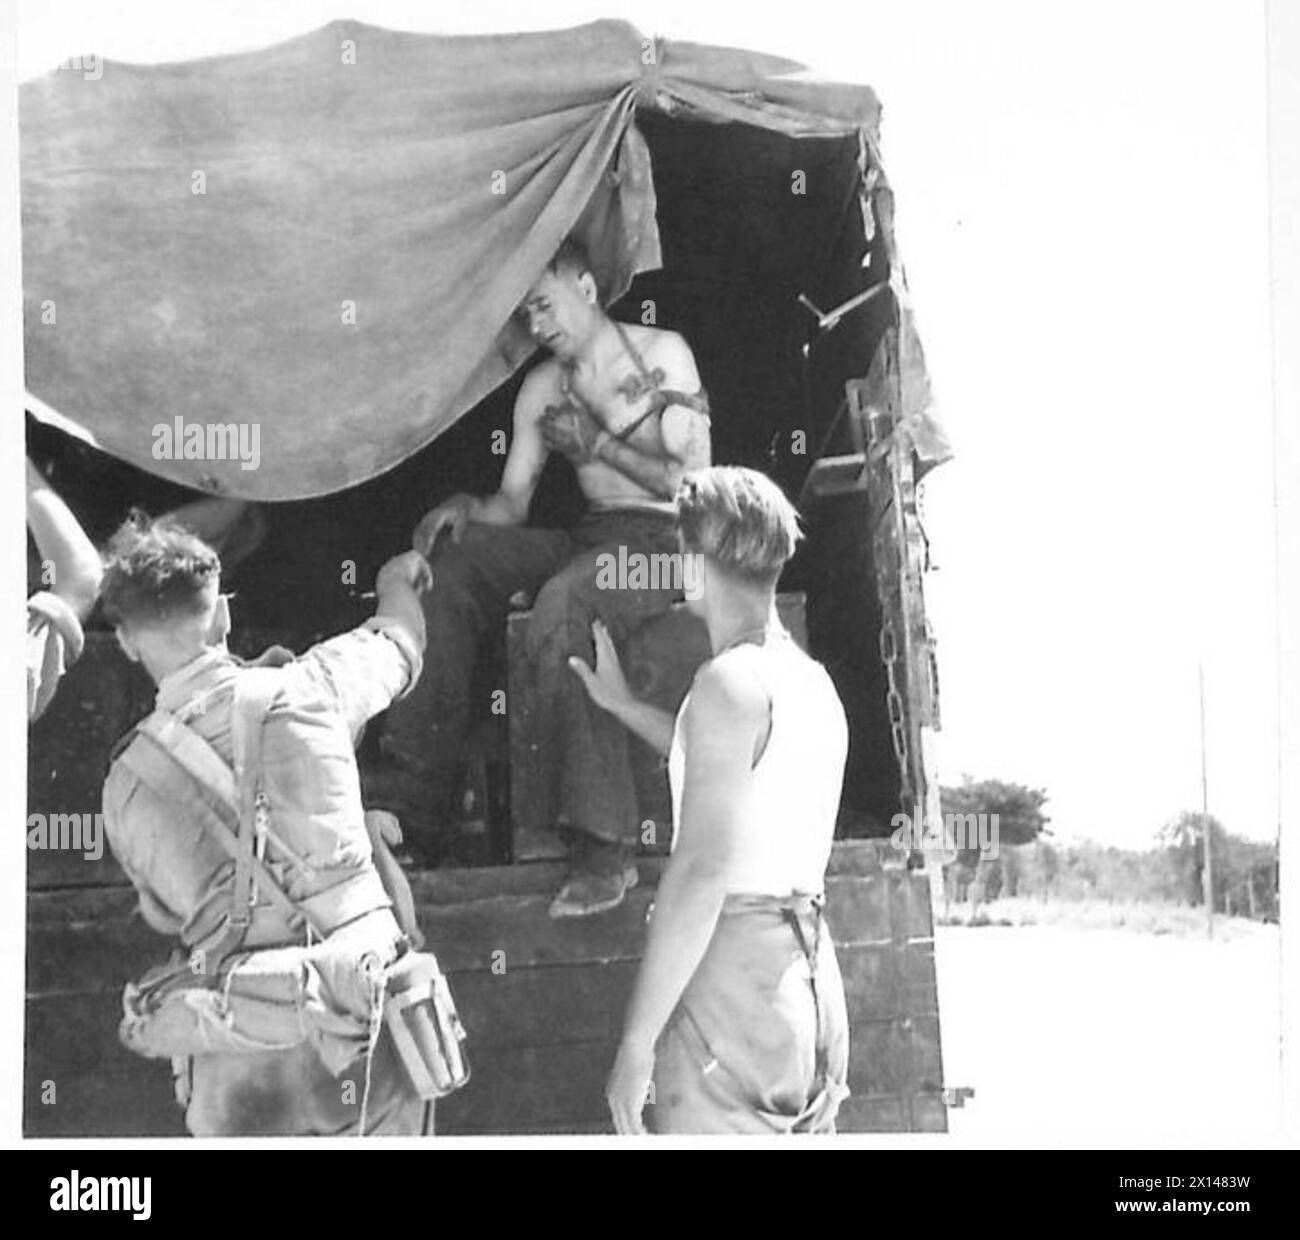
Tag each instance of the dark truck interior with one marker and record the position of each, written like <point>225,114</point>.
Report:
<point>740,245</point>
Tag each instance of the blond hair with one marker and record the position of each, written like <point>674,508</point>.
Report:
<point>739,519</point>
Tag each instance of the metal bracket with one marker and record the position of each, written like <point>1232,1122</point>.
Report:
<point>828,319</point>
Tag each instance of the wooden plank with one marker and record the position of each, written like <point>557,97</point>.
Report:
<point>81,905</point>
<point>81,953</point>
<point>895,1056</point>
<point>887,1113</point>
<point>527,1089</point>
<point>76,1033</point>
<point>519,933</point>
<point>115,897</point>
<point>89,939</point>
<point>928,1113</point>
<point>882,982</point>
<point>533,1006</point>
<point>139,1102</point>
<point>90,956</point>
<point>545,1006</point>
<point>910,913</point>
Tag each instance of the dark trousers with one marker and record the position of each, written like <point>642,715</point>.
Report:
<point>588,779</point>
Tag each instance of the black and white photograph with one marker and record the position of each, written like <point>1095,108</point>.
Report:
<point>650,575</point>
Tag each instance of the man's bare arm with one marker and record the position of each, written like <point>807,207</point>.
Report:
<point>685,449</point>
<point>508,504</point>
<point>61,540</point>
<point>526,458</point>
<point>721,725</point>
<point>685,433</point>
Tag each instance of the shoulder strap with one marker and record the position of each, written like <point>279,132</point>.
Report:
<point>637,360</point>
<point>161,742</point>
<point>255,690</point>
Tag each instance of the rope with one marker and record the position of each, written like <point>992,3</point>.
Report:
<point>377,987</point>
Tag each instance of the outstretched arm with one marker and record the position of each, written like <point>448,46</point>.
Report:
<point>508,504</point>
<point>363,671</point>
<point>610,691</point>
<point>63,543</point>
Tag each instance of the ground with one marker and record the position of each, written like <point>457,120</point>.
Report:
<point>1110,1023</point>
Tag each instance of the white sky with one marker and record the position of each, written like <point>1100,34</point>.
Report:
<point>1082,205</point>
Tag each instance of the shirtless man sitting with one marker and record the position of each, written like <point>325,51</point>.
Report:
<point>625,405</point>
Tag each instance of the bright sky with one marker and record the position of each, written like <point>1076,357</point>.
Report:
<point>1082,205</point>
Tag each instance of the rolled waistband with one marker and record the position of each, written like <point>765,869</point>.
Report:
<point>738,902</point>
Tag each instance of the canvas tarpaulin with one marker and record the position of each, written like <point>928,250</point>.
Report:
<point>326,239</point>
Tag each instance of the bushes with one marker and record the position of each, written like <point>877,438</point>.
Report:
<point>1245,872</point>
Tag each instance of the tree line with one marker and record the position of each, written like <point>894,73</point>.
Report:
<point>1030,863</point>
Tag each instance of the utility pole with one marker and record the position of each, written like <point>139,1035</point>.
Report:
<point>1207,864</point>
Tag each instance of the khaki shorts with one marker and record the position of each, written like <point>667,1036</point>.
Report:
<point>748,1048</point>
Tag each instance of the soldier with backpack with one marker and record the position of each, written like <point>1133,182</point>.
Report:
<point>295,1002</point>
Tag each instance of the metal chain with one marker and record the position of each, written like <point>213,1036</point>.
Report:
<point>894,701</point>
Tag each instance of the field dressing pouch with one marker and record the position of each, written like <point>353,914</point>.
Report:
<point>218,995</point>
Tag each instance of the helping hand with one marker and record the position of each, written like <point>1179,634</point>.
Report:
<point>452,514</point>
<point>606,684</point>
<point>409,570</point>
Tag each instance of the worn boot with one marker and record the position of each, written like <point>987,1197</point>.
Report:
<point>600,874</point>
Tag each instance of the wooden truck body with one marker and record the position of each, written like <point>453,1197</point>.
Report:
<point>779,267</point>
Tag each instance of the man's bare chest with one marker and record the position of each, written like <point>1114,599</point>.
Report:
<point>619,400</point>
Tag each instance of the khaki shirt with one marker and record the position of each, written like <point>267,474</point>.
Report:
<point>54,642</point>
<point>320,843</point>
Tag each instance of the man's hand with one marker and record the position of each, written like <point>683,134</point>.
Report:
<point>408,571</point>
<point>386,834</point>
<point>628,1089</point>
<point>572,431</point>
<point>452,514</point>
<point>607,685</point>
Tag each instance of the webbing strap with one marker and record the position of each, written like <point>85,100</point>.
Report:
<point>660,397</point>
<point>255,689</point>
<point>222,827</point>
<point>226,804</point>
